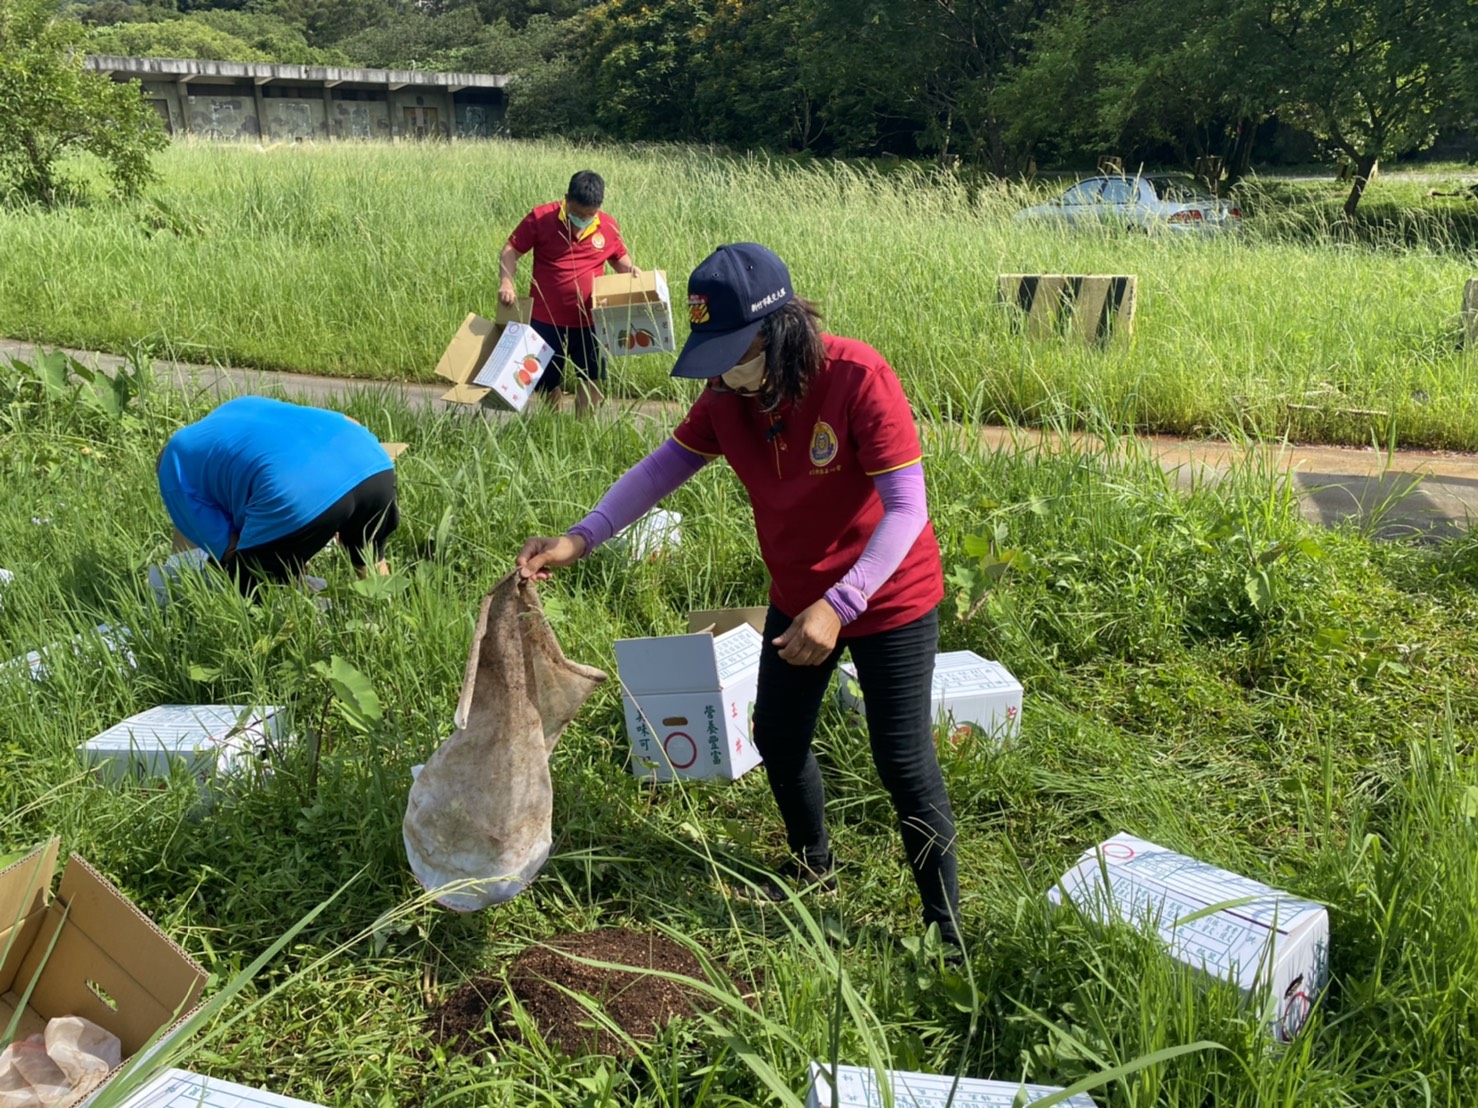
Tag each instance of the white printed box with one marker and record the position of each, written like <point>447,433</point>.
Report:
<point>689,700</point>
<point>183,1089</point>
<point>859,1087</point>
<point>513,369</point>
<point>969,694</point>
<point>632,313</point>
<point>210,740</point>
<point>33,664</point>
<point>1270,944</point>
<point>656,533</point>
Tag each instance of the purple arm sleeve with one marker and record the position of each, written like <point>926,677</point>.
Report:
<point>637,492</point>
<point>905,511</point>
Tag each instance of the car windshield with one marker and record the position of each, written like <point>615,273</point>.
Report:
<point>1177,189</point>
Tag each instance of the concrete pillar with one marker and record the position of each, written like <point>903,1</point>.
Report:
<point>183,95</point>
<point>328,111</point>
<point>264,130</point>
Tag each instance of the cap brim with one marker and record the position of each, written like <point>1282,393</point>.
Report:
<point>707,354</point>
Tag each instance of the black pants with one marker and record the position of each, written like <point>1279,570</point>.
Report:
<point>575,345</point>
<point>364,517</point>
<point>895,670</point>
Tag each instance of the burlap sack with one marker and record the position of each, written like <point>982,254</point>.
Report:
<point>480,811</point>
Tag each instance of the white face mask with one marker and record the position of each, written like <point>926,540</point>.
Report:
<point>746,376</point>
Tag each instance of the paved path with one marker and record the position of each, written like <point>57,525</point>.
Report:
<point>1411,492</point>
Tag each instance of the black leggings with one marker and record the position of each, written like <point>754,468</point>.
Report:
<point>895,670</point>
<point>363,517</point>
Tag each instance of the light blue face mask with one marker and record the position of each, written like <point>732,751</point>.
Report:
<point>579,222</point>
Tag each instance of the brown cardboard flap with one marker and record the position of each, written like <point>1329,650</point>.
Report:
<point>475,340</point>
<point>468,349</point>
<point>465,394</point>
<point>29,1023</point>
<point>615,290</point>
<point>520,311</point>
<point>720,620</point>
<point>110,964</point>
<point>25,889</point>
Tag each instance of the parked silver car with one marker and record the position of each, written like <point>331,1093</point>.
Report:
<point>1152,204</point>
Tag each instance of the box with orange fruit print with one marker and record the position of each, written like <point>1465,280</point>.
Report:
<point>495,362</point>
<point>632,313</point>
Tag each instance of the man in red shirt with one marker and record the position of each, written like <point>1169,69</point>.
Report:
<point>572,241</point>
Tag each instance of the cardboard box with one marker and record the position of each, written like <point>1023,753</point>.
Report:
<point>970,694</point>
<point>171,574</point>
<point>87,952</point>
<point>859,1087</point>
<point>632,313</point>
<point>209,740</point>
<point>183,1089</point>
<point>1266,942</point>
<point>34,663</point>
<point>690,698</point>
<point>487,361</point>
<point>655,534</point>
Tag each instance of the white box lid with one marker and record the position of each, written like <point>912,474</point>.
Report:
<point>686,663</point>
<point>185,727</point>
<point>182,1089</point>
<point>858,1087</point>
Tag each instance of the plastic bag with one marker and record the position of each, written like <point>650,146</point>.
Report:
<point>71,1058</point>
<point>481,810</point>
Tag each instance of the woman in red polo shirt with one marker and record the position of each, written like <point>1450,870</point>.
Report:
<point>819,432</point>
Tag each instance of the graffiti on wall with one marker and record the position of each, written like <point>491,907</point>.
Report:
<point>222,117</point>
<point>361,120</point>
<point>294,120</point>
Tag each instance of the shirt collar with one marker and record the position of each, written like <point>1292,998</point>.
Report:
<point>588,231</point>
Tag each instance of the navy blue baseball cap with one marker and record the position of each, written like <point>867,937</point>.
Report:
<point>729,295</point>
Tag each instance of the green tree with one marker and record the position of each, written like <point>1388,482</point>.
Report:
<point>645,67</point>
<point>752,91</point>
<point>173,38</point>
<point>925,71</point>
<point>52,107</point>
<point>1197,76</point>
<point>1370,78</point>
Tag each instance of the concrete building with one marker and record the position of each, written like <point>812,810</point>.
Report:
<point>287,103</point>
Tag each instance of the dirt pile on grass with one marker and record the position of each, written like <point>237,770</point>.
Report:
<point>543,976</point>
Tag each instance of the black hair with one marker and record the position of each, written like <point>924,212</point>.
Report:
<point>794,352</point>
<point>586,189</point>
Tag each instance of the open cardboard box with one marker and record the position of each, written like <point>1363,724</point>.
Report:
<point>86,952</point>
<point>689,698</point>
<point>1271,945</point>
<point>495,363</point>
<point>632,313</point>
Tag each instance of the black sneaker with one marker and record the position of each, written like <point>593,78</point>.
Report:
<point>800,874</point>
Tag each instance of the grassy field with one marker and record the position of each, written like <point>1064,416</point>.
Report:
<point>362,260</point>
<point>1201,669</point>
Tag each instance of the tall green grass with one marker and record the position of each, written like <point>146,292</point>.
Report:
<point>362,260</point>
<point>1201,669</point>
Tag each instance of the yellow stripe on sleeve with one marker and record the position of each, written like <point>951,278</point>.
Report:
<point>895,469</point>
<point>690,450</point>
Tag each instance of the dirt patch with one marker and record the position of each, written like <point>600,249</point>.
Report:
<point>641,1004</point>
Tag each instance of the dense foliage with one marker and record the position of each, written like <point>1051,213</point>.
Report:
<point>1004,84</point>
